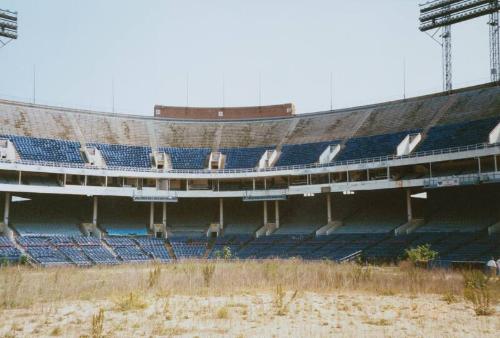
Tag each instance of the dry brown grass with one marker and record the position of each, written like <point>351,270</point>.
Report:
<point>23,286</point>
<point>253,298</point>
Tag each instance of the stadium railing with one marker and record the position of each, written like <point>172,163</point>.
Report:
<point>379,159</point>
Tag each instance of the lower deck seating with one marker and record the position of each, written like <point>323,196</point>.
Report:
<point>126,249</point>
<point>189,247</point>
<point>8,252</point>
<point>154,247</point>
<point>42,251</point>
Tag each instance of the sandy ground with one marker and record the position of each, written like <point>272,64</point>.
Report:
<point>256,315</point>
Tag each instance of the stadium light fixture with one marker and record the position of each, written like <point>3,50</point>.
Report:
<point>8,26</point>
<point>442,14</point>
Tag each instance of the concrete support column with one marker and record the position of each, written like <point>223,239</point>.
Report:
<point>164,214</point>
<point>221,213</point>
<point>409,210</point>
<point>151,215</point>
<point>277,212</point>
<point>329,207</point>
<point>6,210</point>
<point>265,212</point>
<point>94,211</point>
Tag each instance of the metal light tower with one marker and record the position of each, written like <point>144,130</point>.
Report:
<point>442,14</point>
<point>8,26</point>
<point>494,45</point>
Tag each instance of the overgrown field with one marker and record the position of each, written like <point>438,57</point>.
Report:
<point>246,299</point>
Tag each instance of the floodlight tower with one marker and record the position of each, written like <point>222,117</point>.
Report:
<point>8,26</point>
<point>442,14</point>
<point>494,45</point>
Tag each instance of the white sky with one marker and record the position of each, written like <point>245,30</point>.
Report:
<point>149,47</point>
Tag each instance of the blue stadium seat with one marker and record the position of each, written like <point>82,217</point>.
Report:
<point>118,155</point>
<point>187,158</point>
<point>372,146</point>
<point>240,158</point>
<point>299,154</point>
<point>458,134</point>
<point>47,150</point>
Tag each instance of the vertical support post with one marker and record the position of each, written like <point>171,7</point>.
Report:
<point>409,210</point>
<point>94,211</point>
<point>265,213</point>
<point>221,213</point>
<point>494,45</point>
<point>277,213</point>
<point>151,215</point>
<point>329,207</point>
<point>6,210</point>
<point>164,214</point>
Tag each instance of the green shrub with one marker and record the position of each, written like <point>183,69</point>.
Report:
<point>422,253</point>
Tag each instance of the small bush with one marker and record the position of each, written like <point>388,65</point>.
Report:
<point>56,331</point>
<point>222,313</point>
<point>130,302</point>
<point>97,324</point>
<point>281,305</point>
<point>420,254</point>
<point>449,298</point>
<point>154,276</point>
<point>23,260</point>
<point>208,274</point>
<point>477,291</point>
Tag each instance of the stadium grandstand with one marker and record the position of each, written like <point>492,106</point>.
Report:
<point>83,188</point>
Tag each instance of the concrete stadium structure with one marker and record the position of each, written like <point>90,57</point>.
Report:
<point>82,187</point>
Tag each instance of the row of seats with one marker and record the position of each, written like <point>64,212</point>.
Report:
<point>300,154</point>
<point>189,247</point>
<point>438,137</point>
<point>240,158</point>
<point>458,134</point>
<point>187,158</point>
<point>8,252</point>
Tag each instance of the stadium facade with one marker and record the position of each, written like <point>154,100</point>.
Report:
<point>81,187</point>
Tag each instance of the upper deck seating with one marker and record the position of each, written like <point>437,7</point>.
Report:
<point>458,134</point>
<point>187,158</point>
<point>299,154</point>
<point>240,158</point>
<point>47,150</point>
<point>118,155</point>
<point>372,146</point>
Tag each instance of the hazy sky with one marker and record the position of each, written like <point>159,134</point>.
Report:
<point>149,47</point>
